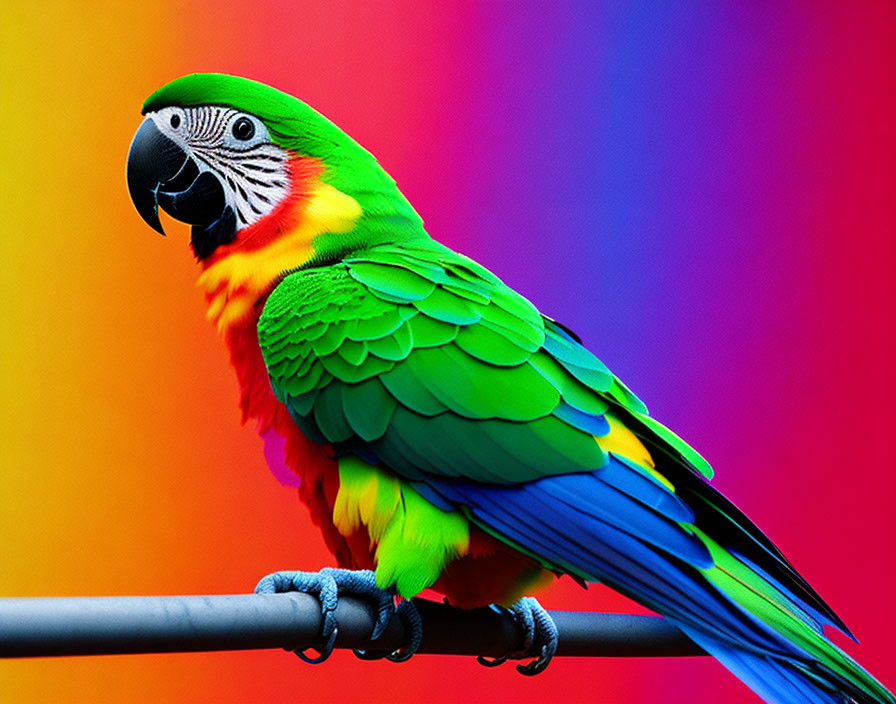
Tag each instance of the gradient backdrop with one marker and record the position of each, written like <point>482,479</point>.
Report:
<point>704,192</point>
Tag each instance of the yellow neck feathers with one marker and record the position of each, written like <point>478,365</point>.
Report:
<point>236,279</point>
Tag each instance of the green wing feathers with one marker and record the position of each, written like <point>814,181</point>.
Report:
<point>400,343</point>
<point>416,359</point>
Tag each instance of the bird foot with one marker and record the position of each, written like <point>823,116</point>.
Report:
<point>539,638</point>
<point>327,585</point>
<point>413,625</point>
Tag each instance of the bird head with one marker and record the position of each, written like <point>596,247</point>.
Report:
<point>231,156</point>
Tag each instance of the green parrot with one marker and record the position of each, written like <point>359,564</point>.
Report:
<point>443,432</point>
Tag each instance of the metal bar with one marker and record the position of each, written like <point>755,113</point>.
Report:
<point>54,626</point>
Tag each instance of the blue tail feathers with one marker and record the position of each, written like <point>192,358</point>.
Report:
<point>619,531</point>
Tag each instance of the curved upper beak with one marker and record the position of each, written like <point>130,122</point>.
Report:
<point>152,160</point>
<point>161,173</point>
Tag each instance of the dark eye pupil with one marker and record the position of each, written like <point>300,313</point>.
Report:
<point>243,128</point>
<point>175,121</point>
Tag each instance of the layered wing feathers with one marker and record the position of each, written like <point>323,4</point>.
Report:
<point>436,344</point>
<point>420,359</point>
<point>425,360</point>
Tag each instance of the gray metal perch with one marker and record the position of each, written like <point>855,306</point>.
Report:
<point>53,626</point>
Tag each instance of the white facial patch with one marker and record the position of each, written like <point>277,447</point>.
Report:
<point>237,148</point>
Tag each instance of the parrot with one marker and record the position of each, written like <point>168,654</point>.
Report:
<point>443,432</point>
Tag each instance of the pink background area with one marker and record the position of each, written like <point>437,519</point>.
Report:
<point>703,192</point>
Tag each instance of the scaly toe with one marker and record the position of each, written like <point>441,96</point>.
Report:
<point>413,626</point>
<point>327,585</point>
<point>544,637</point>
<point>319,583</point>
<point>362,583</point>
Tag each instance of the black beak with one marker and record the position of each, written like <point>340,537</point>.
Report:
<point>152,160</point>
<point>161,173</point>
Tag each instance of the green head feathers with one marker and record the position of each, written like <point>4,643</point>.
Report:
<point>220,153</point>
<point>291,123</point>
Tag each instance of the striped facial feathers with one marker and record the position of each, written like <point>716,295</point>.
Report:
<point>235,147</point>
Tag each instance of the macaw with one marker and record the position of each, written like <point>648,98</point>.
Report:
<point>442,431</point>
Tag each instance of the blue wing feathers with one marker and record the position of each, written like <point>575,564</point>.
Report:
<point>593,424</point>
<point>465,390</point>
<point>620,511</point>
<point>598,547</point>
<point>612,536</point>
<point>632,480</point>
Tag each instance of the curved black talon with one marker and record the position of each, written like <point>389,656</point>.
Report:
<point>540,637</point>
<point>327,585</point>
<point>413,625</point>
<point>407,612</point>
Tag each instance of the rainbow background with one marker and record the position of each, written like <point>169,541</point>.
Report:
<point>705,192</point>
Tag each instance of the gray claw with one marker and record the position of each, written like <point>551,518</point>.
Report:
<point>328,584</point>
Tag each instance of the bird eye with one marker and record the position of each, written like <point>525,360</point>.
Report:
<point>243,129</point>
<point>175,120</point>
